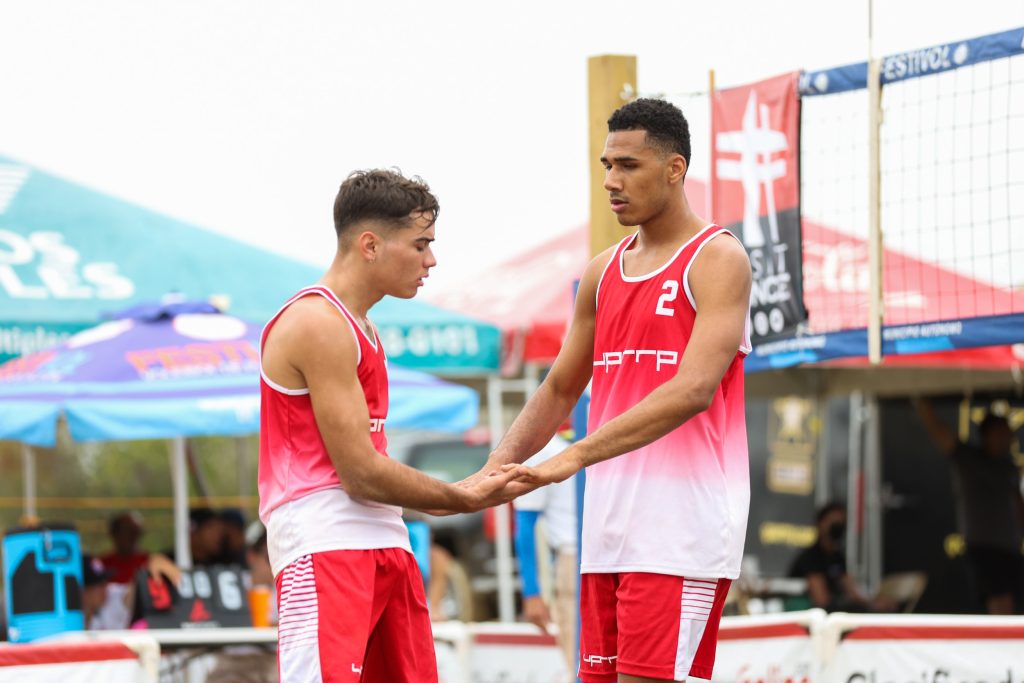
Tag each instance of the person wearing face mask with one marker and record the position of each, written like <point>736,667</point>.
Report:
<point>823,565</point>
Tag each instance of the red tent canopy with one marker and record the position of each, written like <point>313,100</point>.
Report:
<point>836,286</point>
<point>530,295</point>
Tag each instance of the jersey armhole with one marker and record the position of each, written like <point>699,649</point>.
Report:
<point>745,346</point>
<point>266,330</point>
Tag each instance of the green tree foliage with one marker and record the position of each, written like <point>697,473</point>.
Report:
<point>86,484</point>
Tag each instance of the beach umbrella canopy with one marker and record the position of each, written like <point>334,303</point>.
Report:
<point>160,371</point>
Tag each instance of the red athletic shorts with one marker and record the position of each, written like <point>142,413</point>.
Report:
<point>648,625</point>
<point>354,616</point>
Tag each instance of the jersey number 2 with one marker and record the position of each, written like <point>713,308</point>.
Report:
<point>671,289</point>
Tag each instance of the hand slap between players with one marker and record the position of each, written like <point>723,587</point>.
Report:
<point>484,490</point>
<point>557,469</point>
<point>493,488</point>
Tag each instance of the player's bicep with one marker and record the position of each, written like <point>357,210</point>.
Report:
<point>719,281</point>
<point>329,365</point>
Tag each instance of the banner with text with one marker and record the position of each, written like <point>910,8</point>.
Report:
<point>951,650</point>
<point>755,190</point>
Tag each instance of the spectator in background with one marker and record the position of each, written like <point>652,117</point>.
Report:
<point>990,507</point>
<point>256,555</point>
<point>556,503</point>
<point>234,551</point>
<point>206,537</point>
<point>121,566</point>
<point>441,561</point>
<point>823,565</point>
<point>248,663</point>
<point>127,557</point>
<point>95,578</point>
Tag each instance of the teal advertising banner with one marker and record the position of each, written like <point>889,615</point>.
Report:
<point>69,255</point>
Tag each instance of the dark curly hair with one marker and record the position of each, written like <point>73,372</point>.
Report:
<point>665,124</point>
<point>382,195</point>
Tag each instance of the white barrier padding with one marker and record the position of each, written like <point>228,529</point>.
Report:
<point>794,647</point>
<point>451,646</point>
<point>921,649</point>
<point>781,648</point>
<point>515,652</point>
<point>85,662</point>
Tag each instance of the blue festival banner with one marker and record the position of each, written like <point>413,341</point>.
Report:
<point>927,337</point>
<point>915,63</point>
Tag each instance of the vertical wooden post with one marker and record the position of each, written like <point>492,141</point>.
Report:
<point>612,83</point>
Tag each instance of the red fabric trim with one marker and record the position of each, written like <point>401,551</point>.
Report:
<point>936,633</point>
<point>28,655</point>
<point>767,631</point>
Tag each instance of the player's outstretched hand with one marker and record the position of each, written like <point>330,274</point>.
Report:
<point>484,490</point>
<point>475,478</point>
<point>493,488</point>
<point>557,469</point>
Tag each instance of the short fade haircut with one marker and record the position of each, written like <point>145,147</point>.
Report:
<point>384,196</point>
<point>664,123</point>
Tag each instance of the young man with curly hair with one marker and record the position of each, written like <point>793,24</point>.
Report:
<point>661,327</point>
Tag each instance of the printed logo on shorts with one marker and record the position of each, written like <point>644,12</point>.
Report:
<point>595,660</point>
<point>357,669</point>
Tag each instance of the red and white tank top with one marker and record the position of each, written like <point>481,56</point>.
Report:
<point>302,503</point>
<point>677,506</point>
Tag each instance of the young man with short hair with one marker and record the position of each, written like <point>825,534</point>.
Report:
<point>661,326</point>
<point>350,595</point>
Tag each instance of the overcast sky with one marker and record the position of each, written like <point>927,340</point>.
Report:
<point>244,116</point>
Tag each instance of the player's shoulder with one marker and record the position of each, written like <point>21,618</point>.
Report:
<point>723,255</point>
<point>726,245</point>
<point>312,319</point>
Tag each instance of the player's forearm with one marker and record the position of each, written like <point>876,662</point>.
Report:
<point>660,412</point>
<point>382,480</point>
<point>546,410</point>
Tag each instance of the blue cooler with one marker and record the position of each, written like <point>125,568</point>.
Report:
<point>42,582</point>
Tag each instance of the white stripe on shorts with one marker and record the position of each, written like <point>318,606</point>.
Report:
<point>696,602</point>
<point>298,646</point>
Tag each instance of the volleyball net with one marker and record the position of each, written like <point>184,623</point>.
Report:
<point>951,167</point>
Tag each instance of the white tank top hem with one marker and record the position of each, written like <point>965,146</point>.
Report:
<point>693,572</point>
<point>329,519</point>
